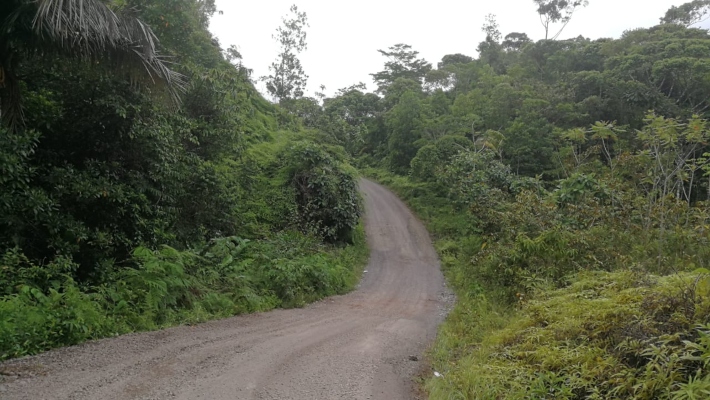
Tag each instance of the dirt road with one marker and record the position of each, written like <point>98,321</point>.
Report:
<point>349,347</point>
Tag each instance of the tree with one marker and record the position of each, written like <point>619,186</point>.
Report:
<point>451,59</point>
<point>688,14</point>
<point>288,80</point>
<point>404,123</point>
<point>431,159</point>
<point>93,30</point>
<point>403,63</point>
<point>554,11</point>
<point>234,56</point>
<point>206,9</point>
<point>515,41</point>
<point>490,50</point>
<point>491,29</point>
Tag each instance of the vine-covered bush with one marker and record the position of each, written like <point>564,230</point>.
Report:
<point>326,191</point>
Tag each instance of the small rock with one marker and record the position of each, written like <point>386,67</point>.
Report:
<point>413,358</point>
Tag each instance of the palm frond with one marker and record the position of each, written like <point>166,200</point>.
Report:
<point>93,28</point>
<point>84,24</point>
<point>89,29</point>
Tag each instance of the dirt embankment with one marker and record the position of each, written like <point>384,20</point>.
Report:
<point>356,346</point>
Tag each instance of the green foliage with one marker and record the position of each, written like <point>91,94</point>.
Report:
<point>404,123</point>
<point>688,13</point>
<point>580,188</point>
<point>430,159</point>
<point>121,211</point>
<point>287,80</point>
<point>42,307</point>
<point>617,335</point>
<point>403,63</point>
<point>530,92</point>
<point>557,296</point>
<point>554,11</point>
<point>475,179</point>
<point>91,30</point>
<point>33,320</point>
<point>326,191</point>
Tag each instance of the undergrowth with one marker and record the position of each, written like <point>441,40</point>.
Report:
<point>167,287</point>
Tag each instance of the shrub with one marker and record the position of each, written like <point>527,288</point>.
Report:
<point>326,191</point>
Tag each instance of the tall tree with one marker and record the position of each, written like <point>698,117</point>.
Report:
<point>403,63</point>
<point>452,59</point>
<point>85,29</point>
<point>688,14</point>
<point>404,123</point>
<point>554,11</point>
<point>288,80</point>
<point>491,28</point>
<point>490,50</point>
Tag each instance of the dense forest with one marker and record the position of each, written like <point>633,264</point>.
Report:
<point>146,183</point>
<point>566,184</point>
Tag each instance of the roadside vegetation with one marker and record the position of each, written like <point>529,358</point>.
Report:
<point>128,205</point>
<point>566,184</point>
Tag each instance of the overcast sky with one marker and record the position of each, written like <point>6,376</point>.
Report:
<point>344,36</point>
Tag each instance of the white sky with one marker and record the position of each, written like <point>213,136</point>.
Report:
<point>343,37</point>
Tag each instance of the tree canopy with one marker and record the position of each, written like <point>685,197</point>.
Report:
<point>688,14</point>
<point>288,80</point>
<point>557,11</point>
<point>402,63</point>
<point>84,29</point>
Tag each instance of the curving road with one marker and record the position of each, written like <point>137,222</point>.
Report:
<point>355,346</point>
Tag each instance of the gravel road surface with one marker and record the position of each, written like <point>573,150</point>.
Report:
<point>357,346</point>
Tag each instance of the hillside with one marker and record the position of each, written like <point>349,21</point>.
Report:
<point>128,205</point>
<point>566,184</point>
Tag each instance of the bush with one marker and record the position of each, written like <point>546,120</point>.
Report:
<point>32,321</point>
<point>326,191</point>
